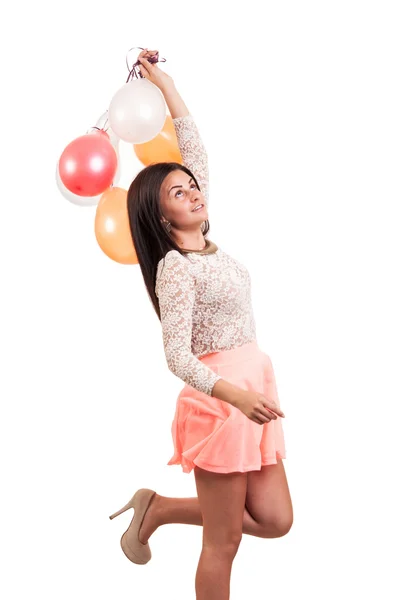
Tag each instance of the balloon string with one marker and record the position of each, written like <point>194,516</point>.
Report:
<point>103,128</point>
<point>134,72</point>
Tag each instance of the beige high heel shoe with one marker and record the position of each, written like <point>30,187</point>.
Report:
<point>135,550</point>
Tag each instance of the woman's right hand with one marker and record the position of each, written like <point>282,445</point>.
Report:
<point>257,408</point>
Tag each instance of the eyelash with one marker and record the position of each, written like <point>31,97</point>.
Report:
<point>181,190</point>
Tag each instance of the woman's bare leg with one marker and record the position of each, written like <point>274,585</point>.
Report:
<point>164,510</point>
<point>222,502</point>
<point>268,512</point>
<point>268,499</point>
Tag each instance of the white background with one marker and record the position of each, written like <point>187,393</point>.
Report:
<point>297,105</point>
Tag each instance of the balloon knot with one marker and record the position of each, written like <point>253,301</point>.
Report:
<point>134,72</point>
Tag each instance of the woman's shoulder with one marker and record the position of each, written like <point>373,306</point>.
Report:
<point>173,259</point>
<point>171,256</point>
<point>173,269</point>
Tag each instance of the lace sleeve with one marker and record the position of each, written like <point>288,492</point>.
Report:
<point>193,152</point>
<point>175,289</point>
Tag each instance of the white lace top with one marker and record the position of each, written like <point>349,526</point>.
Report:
<point>204,299</point>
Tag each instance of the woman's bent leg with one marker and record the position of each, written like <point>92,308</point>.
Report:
<point>266,490</point>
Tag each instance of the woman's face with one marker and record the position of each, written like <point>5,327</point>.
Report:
<point>178,196</point>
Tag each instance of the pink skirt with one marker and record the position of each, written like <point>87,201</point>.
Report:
<point>216,436</point>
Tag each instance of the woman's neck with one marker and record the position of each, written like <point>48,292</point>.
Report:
<point>194,241</point>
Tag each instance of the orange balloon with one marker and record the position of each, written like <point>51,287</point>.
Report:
<point>162,148</point>
<point>112,228</point>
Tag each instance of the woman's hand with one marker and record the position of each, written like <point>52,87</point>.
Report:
<point>257,408</point>
<point>151,71</point>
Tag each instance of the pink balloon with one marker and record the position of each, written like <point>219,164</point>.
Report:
<point>88,165</point>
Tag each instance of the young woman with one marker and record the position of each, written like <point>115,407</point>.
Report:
<point>227,425</point>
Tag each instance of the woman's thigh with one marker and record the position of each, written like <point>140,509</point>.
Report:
<point>268,497</point>
<point>222,499</point>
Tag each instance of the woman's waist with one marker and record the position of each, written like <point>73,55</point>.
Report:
<point>230,354</point>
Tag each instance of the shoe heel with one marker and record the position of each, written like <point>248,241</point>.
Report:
<point>130,504</point>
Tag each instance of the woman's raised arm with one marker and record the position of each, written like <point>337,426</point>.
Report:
<point>190,144</point>
<point>192,149</point>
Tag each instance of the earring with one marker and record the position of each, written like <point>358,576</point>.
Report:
<point>167,226</point>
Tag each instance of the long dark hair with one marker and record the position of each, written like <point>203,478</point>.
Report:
<point>150,238</point>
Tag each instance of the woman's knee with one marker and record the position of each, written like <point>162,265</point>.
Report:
<point>222,546</point>
<point>279,526</point>
<point>283,525</point>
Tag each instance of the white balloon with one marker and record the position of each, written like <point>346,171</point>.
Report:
<point>137,111</point>
<point>103,123</point>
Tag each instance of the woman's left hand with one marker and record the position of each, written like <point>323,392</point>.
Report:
<point>151,71</point>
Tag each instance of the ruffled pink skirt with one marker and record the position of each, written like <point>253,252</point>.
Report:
<point>216,436</point>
